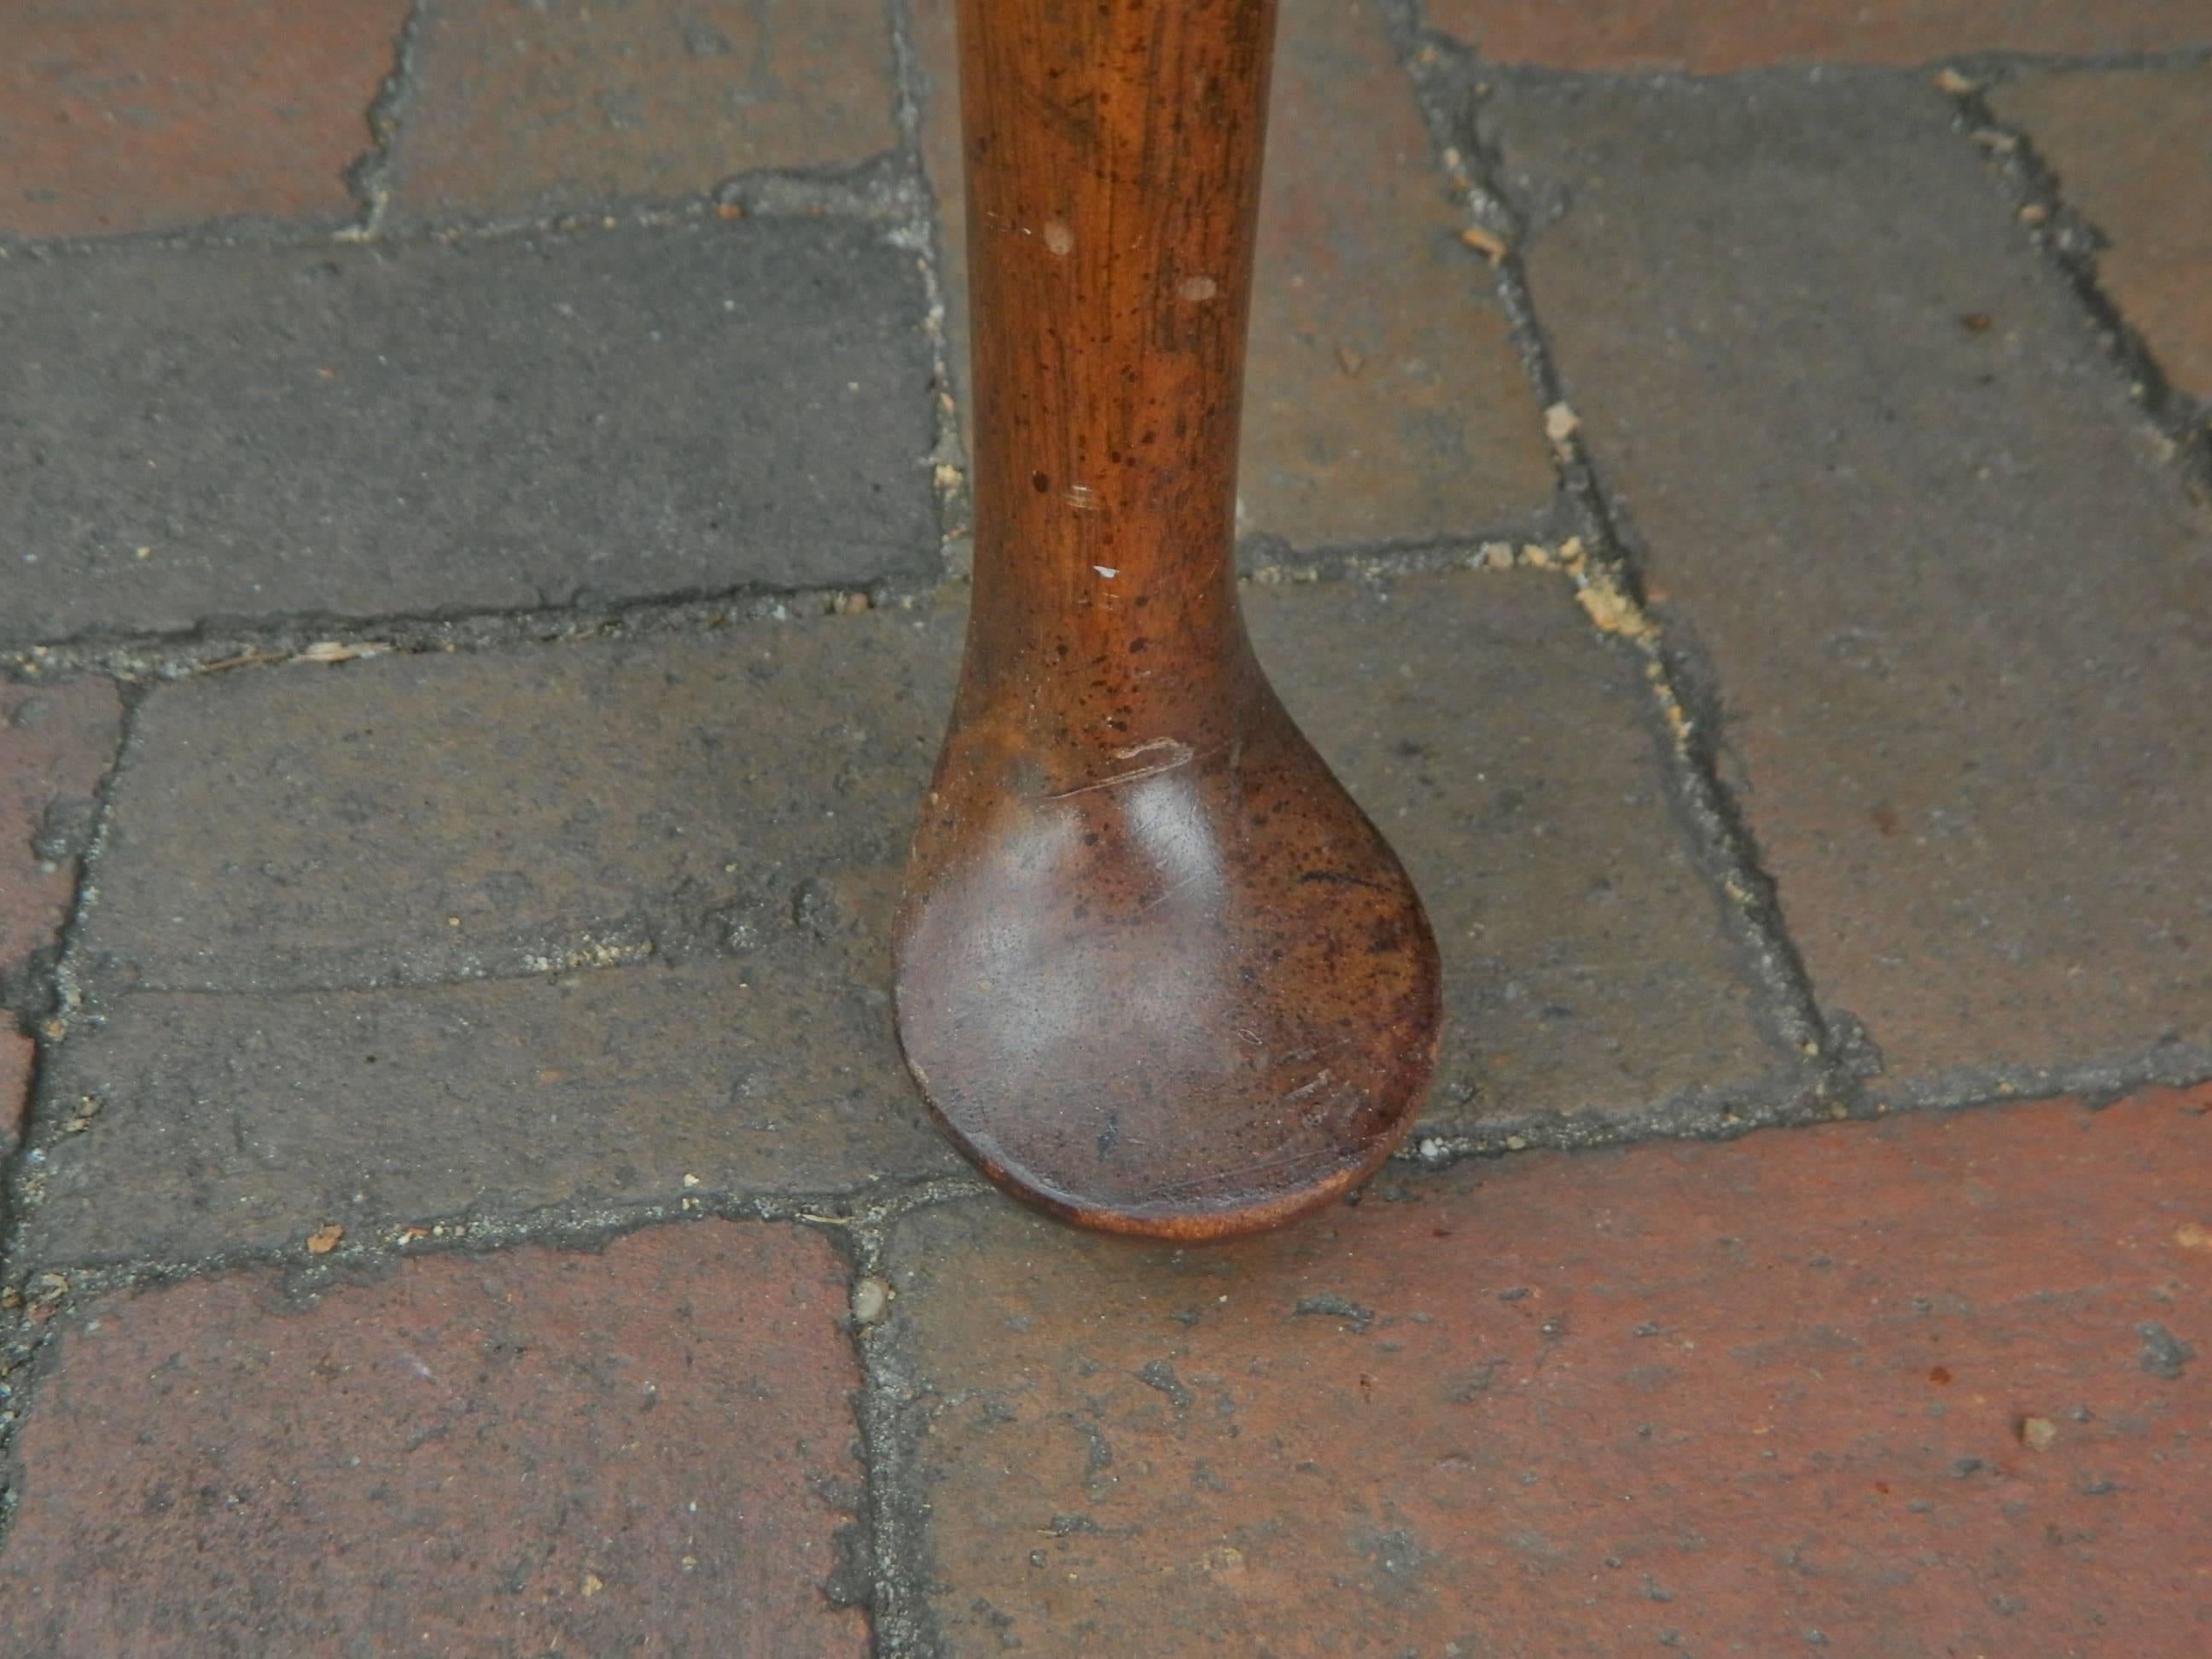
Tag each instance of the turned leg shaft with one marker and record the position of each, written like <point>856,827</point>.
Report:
<point>1112,165</point>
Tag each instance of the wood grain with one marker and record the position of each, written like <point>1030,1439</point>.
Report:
<point>1157,973</point>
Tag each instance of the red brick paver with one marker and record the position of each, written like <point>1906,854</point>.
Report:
<point>525,108</point>
<point>1384,400</point>
<point>1707,38</point>
<point>55,742</point>
<point>649,1449</point>
<point>118,115</point>
<point>1936,1386</point>
<point>2133,152</point>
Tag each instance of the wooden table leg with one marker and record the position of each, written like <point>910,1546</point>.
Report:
<point>1155,972</point>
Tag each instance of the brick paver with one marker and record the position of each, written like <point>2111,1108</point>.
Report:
<point>255,432</point>
<point>118,116</point>
<point>223,1122</point>
<point>516,812</point>
<point>1888,481</point>
<point>1929,1386</point>
<point>2133,152</point>
<point>646,1449</point>
<point>1707,38</point>
<point>56,741</point>
<point>741,808</point>
<point>578,103</point>
<point>730,816</point>
<point>1384,400</point>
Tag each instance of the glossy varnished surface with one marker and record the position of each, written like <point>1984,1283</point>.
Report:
<point>1156,971</point>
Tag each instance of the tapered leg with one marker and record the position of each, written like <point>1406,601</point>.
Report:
<point>1155,972</point>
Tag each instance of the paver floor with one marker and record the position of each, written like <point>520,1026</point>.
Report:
<point>483,522</point>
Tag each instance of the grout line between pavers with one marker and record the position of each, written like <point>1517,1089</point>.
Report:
<point>1780,1098</point>
<point>2163,1065</point>
<point>2068,242</point>
<point>1980,64</point>
<point>566,1226</point>
<point>1985,64</point>
<point>368,178</point>
<point>948,458</point>
<point>66,996</point>
<point>23,1176</point>
<point>331,640</point>
<point>316,638</point>
<point>1785,1101</point>
<point>894,1577</point>
<point>21,1340</point>
<point>873,190</point>
<point>1608,583</point>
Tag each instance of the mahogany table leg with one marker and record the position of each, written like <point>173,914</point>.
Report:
<point>1155,972</point>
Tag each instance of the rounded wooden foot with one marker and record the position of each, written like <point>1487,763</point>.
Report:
<point>1178,987</point>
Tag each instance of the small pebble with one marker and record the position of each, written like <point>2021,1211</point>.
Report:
<point>871,1299</point>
